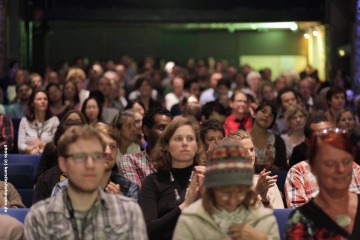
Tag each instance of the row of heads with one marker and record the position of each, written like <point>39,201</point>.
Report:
<point>227,164</point>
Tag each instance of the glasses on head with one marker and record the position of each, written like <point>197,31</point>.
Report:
<point>329,131</point>
<point>97,157</point>
<point>228,196</point>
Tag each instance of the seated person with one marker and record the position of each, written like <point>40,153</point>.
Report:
<point>301,184</point>
<point>38,126</point>
<point>213,110</point>
<point>211,133</point>
<point>265,185</point>
<point>48,172</point>
<point>94,214</point>
<point>13,197</point>
<point>6,134</point>
<point>112,182</point>
<point>136,166</point>
<point>229,206</point>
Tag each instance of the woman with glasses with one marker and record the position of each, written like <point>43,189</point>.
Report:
<point>334,212</point>
<point>229,208</point>
<point>179,155</point>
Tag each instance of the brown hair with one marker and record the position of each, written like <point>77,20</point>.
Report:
<point>292,110</point>
<point>238,92</point>
<point>76,133</point>
<point>107,130</point>
<point>341,112</point>
<point>162,159</point>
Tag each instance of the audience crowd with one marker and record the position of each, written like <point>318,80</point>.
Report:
<point>164,151</point>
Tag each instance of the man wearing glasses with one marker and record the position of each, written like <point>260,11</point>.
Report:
<point>83,210</point>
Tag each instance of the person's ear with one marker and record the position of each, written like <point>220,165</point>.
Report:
<point>62,165</point>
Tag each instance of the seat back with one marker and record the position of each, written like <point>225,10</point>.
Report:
<point>22,159</point>
<point>26,196</point>
<point>18,213</point>
<point>281,216</point>
<point>16,124</point>
<point>17,168</point>
<point>280,180</point>
<point>20,181</point>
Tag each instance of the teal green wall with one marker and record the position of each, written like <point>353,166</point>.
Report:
<point>65,40</point>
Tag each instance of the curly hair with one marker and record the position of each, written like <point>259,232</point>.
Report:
<point>162,159</point>
<point>149,117</point>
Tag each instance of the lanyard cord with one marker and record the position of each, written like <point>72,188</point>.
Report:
<point>37,130</point>
<point>72,219</point>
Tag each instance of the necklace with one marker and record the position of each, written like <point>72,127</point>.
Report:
<point>343,220</point>
<point>172,181</point>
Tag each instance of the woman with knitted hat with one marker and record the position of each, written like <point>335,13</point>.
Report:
<point>229,208</point>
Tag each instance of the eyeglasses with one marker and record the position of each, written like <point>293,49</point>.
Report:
<point>336,137</point>
<point>228,196</point>
<point>328,131</point>
<point>82,157</point>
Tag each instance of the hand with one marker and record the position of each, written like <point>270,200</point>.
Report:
<point>265,182</point>
<point>113,188</point>
<point>192,192</point>
<point>200,171</point>
<point>210,148</point>
<point>35,150</point>
<point>35,142</point>
<point>245,232</point>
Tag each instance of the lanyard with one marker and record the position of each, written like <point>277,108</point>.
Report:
<point>73,221</point>
<point>37,130</point>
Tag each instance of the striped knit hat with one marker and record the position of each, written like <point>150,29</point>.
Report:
<point>229,164</point>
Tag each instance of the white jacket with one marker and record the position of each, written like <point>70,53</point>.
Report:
<point>195,223</point>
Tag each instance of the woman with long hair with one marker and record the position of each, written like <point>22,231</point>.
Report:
<point>38,126</point>
<point>92,110</point>
<point>179,156</point>
<point>229,208</point>
<point>71,95</point>
<point>57,102</point>
<point>270,149</point>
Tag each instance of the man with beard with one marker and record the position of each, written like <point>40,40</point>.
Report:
<point>112,182</point>
<point>83,210</point>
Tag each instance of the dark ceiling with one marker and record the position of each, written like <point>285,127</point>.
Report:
<point>182,10</point>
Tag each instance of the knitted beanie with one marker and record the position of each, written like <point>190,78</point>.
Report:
<point>229,164</point>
